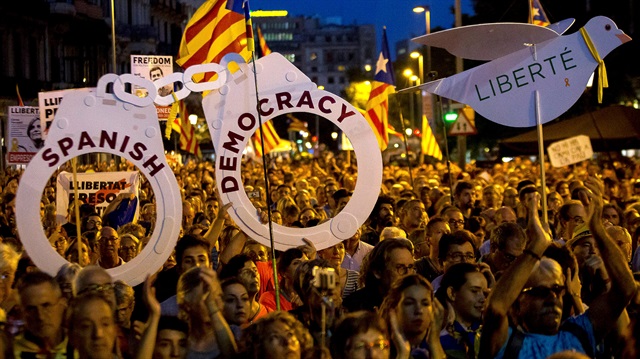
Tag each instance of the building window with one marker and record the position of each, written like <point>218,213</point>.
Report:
<point>330,80</point>
<point>290,57</point>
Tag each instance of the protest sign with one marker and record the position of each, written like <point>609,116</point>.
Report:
<point>153,68</point>
<point>23,135</point>
<point>572,150</point>
<point>48,103</point>
<point>97,189</point>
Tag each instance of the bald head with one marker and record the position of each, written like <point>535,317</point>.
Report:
<point>622,238</point>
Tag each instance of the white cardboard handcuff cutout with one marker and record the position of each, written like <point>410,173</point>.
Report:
<point>125,125</point>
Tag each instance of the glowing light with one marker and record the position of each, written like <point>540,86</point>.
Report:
<point>269,13</point>
<point>408,131</point>
<point>414,55</point>
<point>308,145</point>
<point>193,119</point>
<point>407,73</point>
<point>419,9</point>
<point>334,135</point>
<point>367,67</point>
<point>320,87</point>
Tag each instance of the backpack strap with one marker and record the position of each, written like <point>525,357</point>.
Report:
<point>514,344</point>
<point>581,334</point>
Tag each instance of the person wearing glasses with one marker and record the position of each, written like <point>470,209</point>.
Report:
<point>387,261</point>
<point>508,240</point>
<point>419,316</point>
<point>457,247</point>
<point>109,245</point>
<point>571,215</point>
<point>361,335</point>
<point>454,217</point>
<point>532,291</point>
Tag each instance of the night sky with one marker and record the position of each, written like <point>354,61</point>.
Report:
<point>396,15</point>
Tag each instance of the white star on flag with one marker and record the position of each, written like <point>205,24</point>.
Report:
<point>381,65</point>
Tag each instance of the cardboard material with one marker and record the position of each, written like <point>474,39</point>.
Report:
<point>23,136</point>
<point>100,122</point>
<point>232,118</point>
<point>572,150</point>
<point>503,90</point>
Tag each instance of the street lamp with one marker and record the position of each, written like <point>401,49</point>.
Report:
<point>407,73</point>
<point>418,55</point>
<point>427,20</point>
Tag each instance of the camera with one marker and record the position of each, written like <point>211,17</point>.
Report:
<point>324,278</point>
<point>253,194</point>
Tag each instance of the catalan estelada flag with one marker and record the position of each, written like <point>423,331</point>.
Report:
<point>263,44</point>
<point>271,139</point>
<point>429,144</point>
<point>536,14</point>
<point>377,109</point>
<point>179,121</point>
<point>217,28</point>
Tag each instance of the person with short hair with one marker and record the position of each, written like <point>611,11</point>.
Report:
<point>457,247</point>
<point>360,335</point>
<point>532,290</point>
<point>463,197</point>
<point>508,241</point>
<point>109,244</point>
<point>412,216</point>
<point>429,266</point>
<point>43,307</point>
<point>277,335</point>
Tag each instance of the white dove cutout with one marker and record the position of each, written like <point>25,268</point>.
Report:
<point>547,76</point>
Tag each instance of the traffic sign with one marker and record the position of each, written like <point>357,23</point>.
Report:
<point>464,124</point>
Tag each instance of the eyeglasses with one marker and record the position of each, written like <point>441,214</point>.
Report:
<point>95,223</point>
<point>454,222</point>
<point>377,346</point>
<point>459,257</point>
<point>404,269</point>
<point>543,292</point>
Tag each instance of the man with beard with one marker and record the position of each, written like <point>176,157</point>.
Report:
<point>43,307</point>
<point>412,216</point>
<point>429,266</point>
<point>532,290</point>
<point>463,197</point>
<point>380,218</point>
<point>109,244</point>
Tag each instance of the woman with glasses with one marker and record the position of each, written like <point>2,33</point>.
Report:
<point>347,279</point>
<point>419,316</point>
<point>361,335</point>
<point>277,336</point>
<point>465,289</point>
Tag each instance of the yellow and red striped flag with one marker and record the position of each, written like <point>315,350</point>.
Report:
<point>263,44</point>
<point>216,29</point>
<point>429,144</point>
<point>271,139</point>
<point>377,109</point>
<point>179,121</point>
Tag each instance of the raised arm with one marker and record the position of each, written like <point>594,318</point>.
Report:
<point>495,330</point>
<point>213,234</point>
<point>606,308</point>
<point>213,302</point>
<point>148,339</point>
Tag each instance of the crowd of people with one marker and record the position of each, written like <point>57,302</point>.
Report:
<point>449,264</point>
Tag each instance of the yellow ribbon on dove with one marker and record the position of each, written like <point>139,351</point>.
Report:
<point>602,70</point>
<point>175,107</point>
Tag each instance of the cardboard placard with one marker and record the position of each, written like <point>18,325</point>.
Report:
<point>569,151</point>
<point>23,136</point>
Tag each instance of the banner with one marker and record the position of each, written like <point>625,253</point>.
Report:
<point>97,189</point>
<point>48,103</point>
<point>153,68</point>
<point>23,136</point>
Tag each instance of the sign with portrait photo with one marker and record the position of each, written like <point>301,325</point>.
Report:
<point>153,68</point>
<point>24,135</point>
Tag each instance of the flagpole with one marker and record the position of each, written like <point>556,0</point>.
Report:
<point>446,145</point>
<point>251,48</point>
<point>406,146</point>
